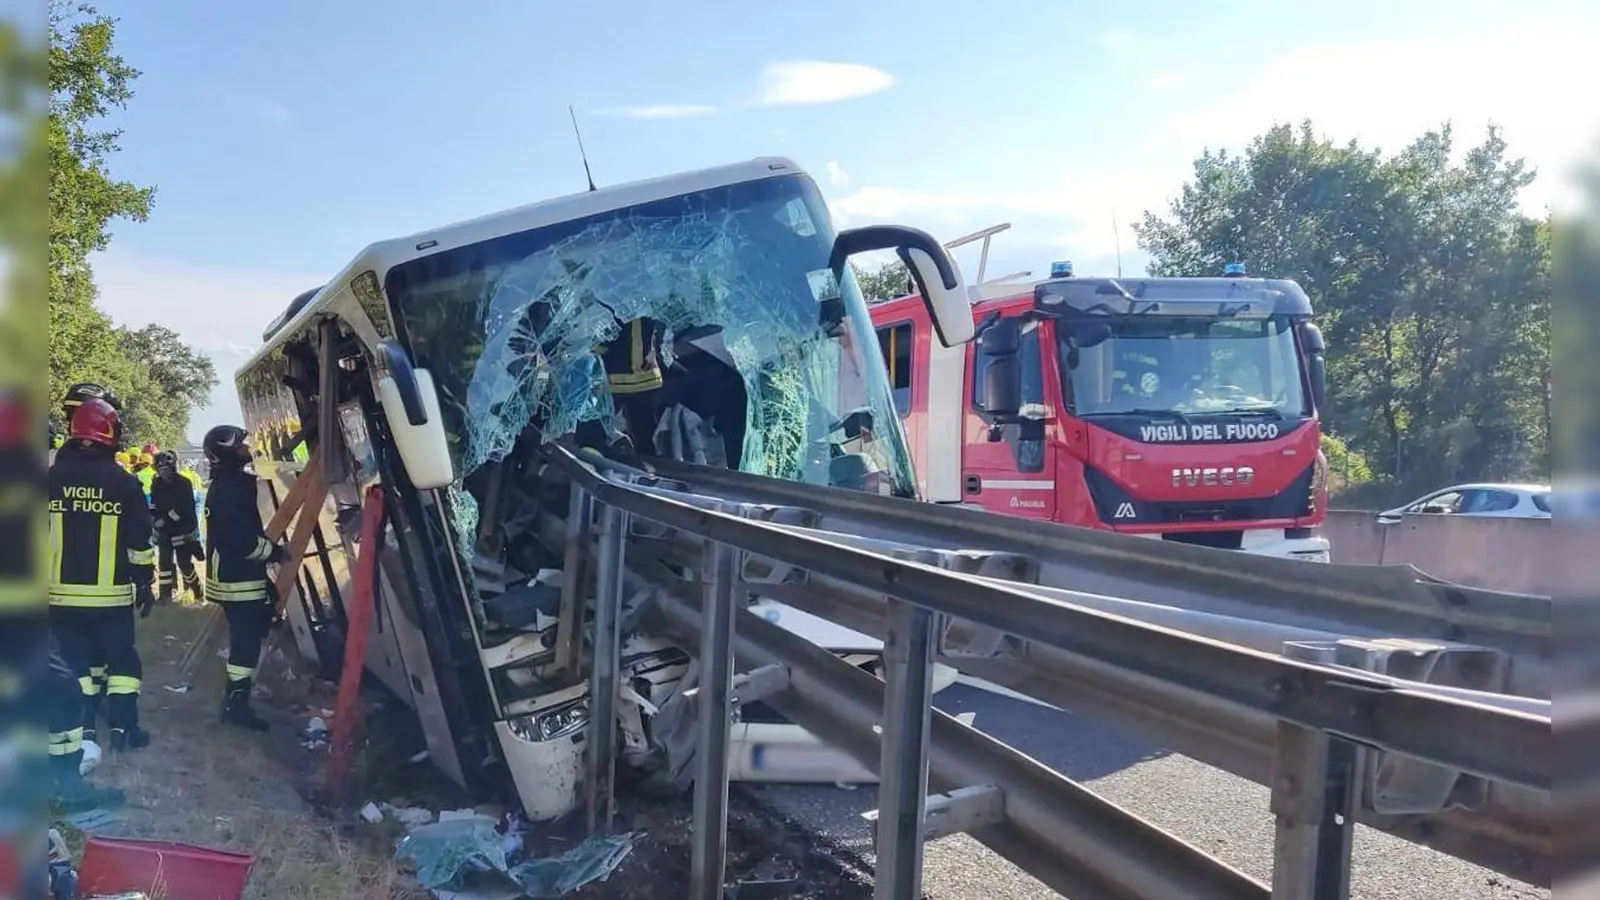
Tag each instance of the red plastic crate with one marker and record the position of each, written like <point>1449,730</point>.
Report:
<point>165,871</point>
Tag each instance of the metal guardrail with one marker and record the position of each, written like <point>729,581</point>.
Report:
<point>1328,716</point>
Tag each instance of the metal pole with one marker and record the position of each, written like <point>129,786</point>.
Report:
<point>603,671</point>
<point>708,854</point>
<point>903,768</point>
<point>1313,799</point>
<point>569,629</point>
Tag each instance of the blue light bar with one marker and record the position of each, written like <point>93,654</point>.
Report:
<point>1062,269</point>
<point>1233,270</point>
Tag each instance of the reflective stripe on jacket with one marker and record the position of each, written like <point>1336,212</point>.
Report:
<point>100,536</point>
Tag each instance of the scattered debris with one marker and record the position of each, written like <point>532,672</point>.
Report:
<point>93,820</point>
<point>444,853</point>
<point>409,816</point>
<point>762,889</point>
<point>449,853</point>
<point>420,757</point>
<point>371,814</point>
<point>591,861</point>
<point>63,877</point>
<point>315,734</point>
<point>91,758</point>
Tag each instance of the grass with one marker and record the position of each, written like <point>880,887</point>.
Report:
<point>203,784</point>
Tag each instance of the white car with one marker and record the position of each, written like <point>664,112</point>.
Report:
<point>1503,501</point>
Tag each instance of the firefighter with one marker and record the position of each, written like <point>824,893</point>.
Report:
<point>177,528</point>
<point>38,693</point>
<point>101,568</point>
<point>632,363</point>
<point>237,555</point>
<point>144,469</point>
<point>95,690</point>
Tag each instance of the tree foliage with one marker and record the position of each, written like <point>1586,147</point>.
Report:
<point>887,282</point>
<point>159,379</point>
<point>1432,288</point>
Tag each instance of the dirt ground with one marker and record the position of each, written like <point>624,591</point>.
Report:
<point>204,784</point>
<point>201,783</point>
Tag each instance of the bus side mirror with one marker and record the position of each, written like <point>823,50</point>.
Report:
<point>1316,364</point>
<point>935,273</point>
<point>411,404</point>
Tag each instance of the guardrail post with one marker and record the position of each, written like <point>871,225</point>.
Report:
<point>603,673</point>
<point>1314,780</point>
<point>903,767</point>
<point>708,855</point>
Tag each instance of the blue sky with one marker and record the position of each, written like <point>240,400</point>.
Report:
<point>283,137</point>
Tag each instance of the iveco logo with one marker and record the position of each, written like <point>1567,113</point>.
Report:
<point>1212,476</point>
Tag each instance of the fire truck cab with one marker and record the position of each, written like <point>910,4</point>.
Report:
<point>1182,409</point>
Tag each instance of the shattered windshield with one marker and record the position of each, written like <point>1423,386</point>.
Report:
<point>767,358</point>
<point>1188,364</point>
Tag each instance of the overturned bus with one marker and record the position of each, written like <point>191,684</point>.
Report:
<point>437,366</point>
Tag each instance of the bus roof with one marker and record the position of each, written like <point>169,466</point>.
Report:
<point>380,257</point>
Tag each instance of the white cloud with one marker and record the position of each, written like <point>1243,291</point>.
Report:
<point>660,111</point>
<point>810,81</point>
<point>837,176</point>
<point>219,312</point>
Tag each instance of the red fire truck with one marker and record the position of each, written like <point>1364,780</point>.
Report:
<point>1183,409</point>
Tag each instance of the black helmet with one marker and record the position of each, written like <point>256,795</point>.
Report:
<point>166,459</point>
<point>225,447</point>
<point>87,390</point>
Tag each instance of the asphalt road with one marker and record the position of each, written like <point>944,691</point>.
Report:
<point>1218,812</point>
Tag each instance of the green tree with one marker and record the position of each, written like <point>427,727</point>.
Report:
<point>159,379</point>
<point>1432,288</point>
<point>173,378</point>
<point>887,282</point>
<point>87,79</point>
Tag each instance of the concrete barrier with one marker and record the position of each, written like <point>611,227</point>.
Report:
<point>1500,554</point>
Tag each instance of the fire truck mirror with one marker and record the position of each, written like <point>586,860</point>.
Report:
<point>1316,364</point>
<point>1002,388</point>
<point>1002,339</point>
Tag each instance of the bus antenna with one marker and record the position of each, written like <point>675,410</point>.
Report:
<point>582,154</point>
<point>1116,236</point>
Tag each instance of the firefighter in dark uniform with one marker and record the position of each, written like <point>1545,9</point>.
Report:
<point>632,364</point>
<point>101,562</point>
<point>39,695</point>
<point>177,528</point>
<point>96,690</point>
<point>237,555</point>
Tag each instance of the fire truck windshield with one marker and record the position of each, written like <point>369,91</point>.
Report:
<point>767,358</point>
<point>1140,365</point>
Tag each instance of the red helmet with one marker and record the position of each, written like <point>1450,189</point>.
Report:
<point>97,422</point>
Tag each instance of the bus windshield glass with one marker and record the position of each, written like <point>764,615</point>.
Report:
<point>1132,365</point>
<point>768,357</point>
